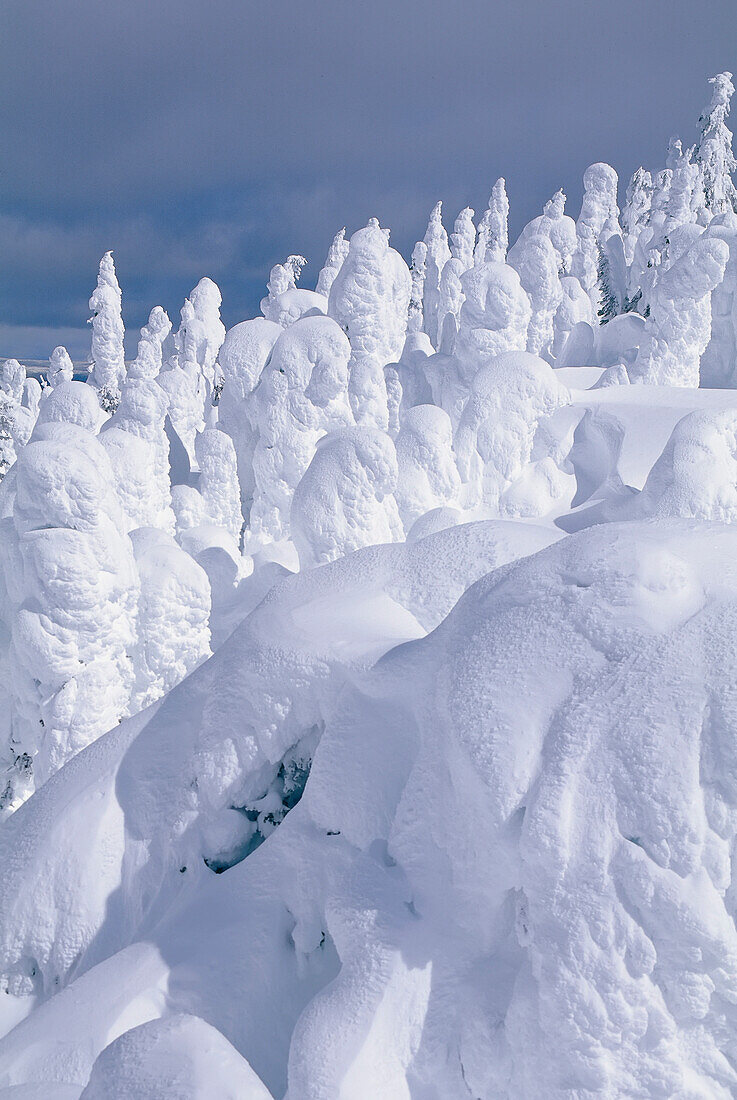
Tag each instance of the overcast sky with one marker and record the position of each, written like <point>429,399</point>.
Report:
<point>214,138</point>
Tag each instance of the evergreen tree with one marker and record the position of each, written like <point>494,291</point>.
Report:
<point>609,305</point>
<point>463,238</point>
<point>438,254</point>
<point>417,270</point>
<point>682,207</point>
<point>636,211</point>
<point>714,156</point>
<point>61,368</point>
<point>334,261</point>
<point>108,355</point>
<point>493,239</point>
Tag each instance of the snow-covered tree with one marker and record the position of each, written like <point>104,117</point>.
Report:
<point>660,201</point>
<point>682,207</point>
<point>173,634</point>
<point>718,367</point>
<point>493,235</point>
<point>369,299</point>
<point>537,263</point>
<point>713,154</point>
<point>418,271</point>
<point>574,309</point>
<point>19,403</point>
<point>449,304</point>
<point>12,380</point>
<point>345,500</point>
<point>495,316</point>
<point>73,622</point>
<point>72,403</point>
<point>218,482</point>
<point>636,210</point>
<point>303,393</point>
<point>7,443</point>
<point>495,437</point>
<point>427,474</point>
<point>438,254</point>
<point>286,302</point>
<point>334,261</point>
<point>206,301</point>
<point>416,387</point>
<point>61,368</point>
<point>108,335</point>
<point>598,220</point>
<point>560,230</point>
<point>679,326</point>
<point>182,380</point>
<point>243,356</point>
<point>609,302</point>
<point>135,437</point>
<point>463,238</point>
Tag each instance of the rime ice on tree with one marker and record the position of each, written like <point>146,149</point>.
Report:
<point>713,155</point>
<point>108,354</point>
<point>493,236</point>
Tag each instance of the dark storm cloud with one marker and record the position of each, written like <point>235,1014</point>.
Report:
<point>215,137</point>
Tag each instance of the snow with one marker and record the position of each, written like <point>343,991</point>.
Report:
<point>367,671</point>
<point>494,316</point>
<point>303,393</point>
<point>345,498</point>
<point>192,1057</point>
<point>108,352</point>
<point>369,299</point>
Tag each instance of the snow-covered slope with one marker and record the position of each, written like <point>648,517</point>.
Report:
<point>367,672</point>
<point>509,872</point>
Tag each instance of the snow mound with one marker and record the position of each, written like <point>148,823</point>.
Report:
<point>182,1057</point>
<point>696,475</point>
<point>536,807</point>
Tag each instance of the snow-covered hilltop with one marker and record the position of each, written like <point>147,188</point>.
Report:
<point>368,724</point>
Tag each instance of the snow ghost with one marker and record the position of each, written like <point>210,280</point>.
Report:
<point>427,474</point>
<point>346,498</point>
<point>369,299</point>
<point>303,393</point>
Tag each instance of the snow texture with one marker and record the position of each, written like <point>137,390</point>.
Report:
<point>367,672</point>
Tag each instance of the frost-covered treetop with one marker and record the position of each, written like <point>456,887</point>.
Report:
<point>61,368</point>
<point>12,377</point>
<point>108,354</point>
<point>463,238</point>
<point>148,361</point>
<point>714,153</point>
<point>334,261</point>
<point>493,238</point>
<point>555,207</point>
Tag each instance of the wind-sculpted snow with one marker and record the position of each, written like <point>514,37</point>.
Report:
<point>496,435</point>
<point>367,671</point>
<point>369,299</point>
<point>193,1058</point>
<point>302,394</point>
<point>494,316</point>
<point>522,860</point>
<point>540,846</point>
<point>346,498</point>
<point>70,596</point>
<point>117,840</point>
<point>677,331</point>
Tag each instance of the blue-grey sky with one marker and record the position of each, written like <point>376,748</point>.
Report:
<point>214,137</point>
